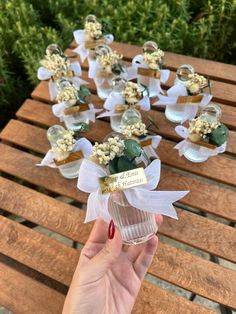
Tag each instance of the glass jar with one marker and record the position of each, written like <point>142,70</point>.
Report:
<point>175,113</point>
<point>193,153</point>
<point>118,85</point>
<point>211,113</point>
<point>136,226</point>
<point>72,121</point>
<point>149,46</point>
<point>69,170</point>
<point>103,81</point>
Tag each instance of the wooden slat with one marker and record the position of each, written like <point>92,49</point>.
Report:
<point>24,295</point>
<point>35,111</point>
<point>221,91</point>
<point>219,71</point>
<point>213,199</point>
<point>190,223</point>
<point>218,168</point>
<point>38,252</point>
<point>41,93</point>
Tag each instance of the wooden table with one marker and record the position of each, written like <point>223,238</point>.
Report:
<point>36,270</point>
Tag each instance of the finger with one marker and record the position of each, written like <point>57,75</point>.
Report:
<point>134,251</point>
<point>101,262</point>
<point>159,220</point>
<point>99,232</point>
<point>145,258</point>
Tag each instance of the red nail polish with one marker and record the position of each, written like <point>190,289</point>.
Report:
<point>111,230</point>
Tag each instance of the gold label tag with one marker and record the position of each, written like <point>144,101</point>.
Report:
<point>72,157</point>
<point>149,72</point>
<point>123,180</point>
<point>75,109</point>
<point>204,144</point>
<point>147,142</point>
<point>191,100</point>
<point>120,108</point>
<point>68,74</point>
<point>101,73</point>
<point>92,43</point>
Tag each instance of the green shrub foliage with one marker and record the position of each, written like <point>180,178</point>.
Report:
<point>201,28</point>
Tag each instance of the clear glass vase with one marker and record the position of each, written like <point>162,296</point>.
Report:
<point>71,121</point>
<point>70,170</point>
<point>193,154</point>
<point>115,122</point>
<point>175,113</point>
<point>136,226</point>
<point>146,80</point>
<point>104,87</point>
<point>183,75</point>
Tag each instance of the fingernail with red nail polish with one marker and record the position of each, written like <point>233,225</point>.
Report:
<point>111,230</point>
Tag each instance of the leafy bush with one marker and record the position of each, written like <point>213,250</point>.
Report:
<point>199,28</point>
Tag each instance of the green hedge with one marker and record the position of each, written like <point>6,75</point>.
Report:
<point>199,28</point>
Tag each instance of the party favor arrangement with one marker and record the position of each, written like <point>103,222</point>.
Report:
<point>121,173</point>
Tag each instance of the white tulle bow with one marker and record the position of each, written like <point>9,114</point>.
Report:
<point>82,145</point>
<point>190,111</point>
<point>155,83</point>
<point>116,99</point>
<point>44,74</point>
<point>58,111</point>
<point>184,145</point>
<point>142,197</point>
<point>80,39</point>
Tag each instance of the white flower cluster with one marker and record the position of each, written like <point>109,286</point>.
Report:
<point>68,94</point>
<point>109,59</point>
<point>132,92</point>
<point>196,83</point>
<point>93,29</point>
<point>64,145</point>
<point>57,64</point>
<point>107,151</point>
<point>136,129</point>
<point>199,128</point>
<point>154,59</point>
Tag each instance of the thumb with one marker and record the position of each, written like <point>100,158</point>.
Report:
<point>108,254</point>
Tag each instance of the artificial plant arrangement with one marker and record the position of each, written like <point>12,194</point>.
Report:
<point>107,65</point>
<point>119,188</point>
<point>74,107</point>
<point>206,136</point>
<point>126,99</point>
<point>89,37</point>
<point>186,96</point>
<point>66,152</point>
<point>56,65</point>
<point>148,68</point>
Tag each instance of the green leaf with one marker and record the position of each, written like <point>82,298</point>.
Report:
<point>113,168</point>
<point>83,93</point>
<point>219,136</point>
<point>117,69</point>
<point>82,127</point>
<point>124,164</point>
<point>132,149</point>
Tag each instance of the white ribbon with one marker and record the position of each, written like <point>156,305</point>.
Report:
<point>142,197</point>
<point>184,145</point>
<point>190,111</point>
<point>150,149</point>
<point>58,111</point>
<point>44,74</point>
<point>117,99</point>
<point>155,84</point>
<point>80,38</point>
<point>82,145</point>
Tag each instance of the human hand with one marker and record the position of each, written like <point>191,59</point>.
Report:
<point>107,280</point>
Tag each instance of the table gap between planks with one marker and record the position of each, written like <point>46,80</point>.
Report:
<point>35,267</point>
